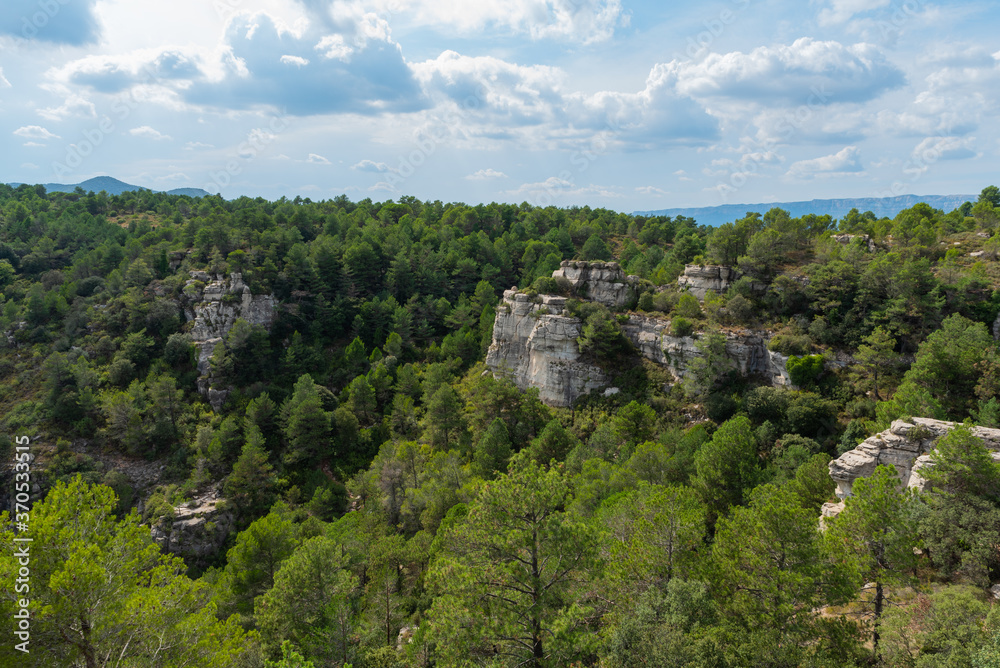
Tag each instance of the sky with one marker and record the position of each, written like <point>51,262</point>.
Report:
<point>624,104</point>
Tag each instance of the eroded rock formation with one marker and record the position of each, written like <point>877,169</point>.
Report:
<point>217,303</point>
<point>603,282</point>
<point>700,279</point>
<point>534,345</point>
<point>906,444</point>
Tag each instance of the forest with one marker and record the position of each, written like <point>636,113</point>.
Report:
<point>392,503</point>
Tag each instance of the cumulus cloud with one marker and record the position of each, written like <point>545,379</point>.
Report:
<point>371,166</point>
<point>844,161</point>
<point>374,79</point>
<point>146,131</point>
<point>807,71</point>
<point>317,159</point>
<point>113,73</point>
<point>35,132</point>
<point>57,22</point>
<point>486,174</point>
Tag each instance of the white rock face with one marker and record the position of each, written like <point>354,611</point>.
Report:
<point>700,279</point>
<point>907,446</point>
<point>220,304</point>
<point>747,350</point>
<point>535,348</point>
<point>603,282</point>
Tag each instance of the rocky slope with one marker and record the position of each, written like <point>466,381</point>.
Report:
<point>906,444</point>
<point>699,280</point>
<point>197,529</point>
<point>217,303</point>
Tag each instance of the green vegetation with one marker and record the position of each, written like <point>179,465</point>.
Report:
<point>393,505</point>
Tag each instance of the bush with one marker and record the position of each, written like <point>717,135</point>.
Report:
<point>681,327</point>
<point>688,306</point>
<point>803,371</point>
<point>545,285</point>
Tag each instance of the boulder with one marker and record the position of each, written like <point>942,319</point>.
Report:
<point>197,529</point>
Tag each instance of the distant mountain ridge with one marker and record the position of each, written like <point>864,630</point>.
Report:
<point>837,208</point>
<point>113,186</point>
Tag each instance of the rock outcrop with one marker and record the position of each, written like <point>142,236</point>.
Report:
<point>603,282</point>
<point>906,444</point>
<point>217,303</point>
<point>700,279</point>
<point>197,529</point>
<point>534,345</point>
<point>747,350</point>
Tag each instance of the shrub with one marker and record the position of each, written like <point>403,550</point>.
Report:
<point>681,327</point>
<point>688,306</point>
<point>804,370</point>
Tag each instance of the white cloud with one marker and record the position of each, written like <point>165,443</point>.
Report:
<point>176,176</point>
<point>28,165</point>
<point>33,144</point>
<point>805,72</point>
<point>371,166</point>
<point>74,106</point>
<point>146,131</point>
<point>651,190</point>
<point>844,161</point>
<point>485,174</point>
<point>317,159</point>
<point>192,145</point>
<point>383,186</point>
<point>932,149</point>
<point>294,60</point>
<point>555,187</point>
<point>585,21</point>
<point>841,11</point>
<point>3,80</point>
<point>34,132</point>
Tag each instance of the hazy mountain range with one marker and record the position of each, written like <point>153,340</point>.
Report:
<point>837,208</point>
<point>113,187</point>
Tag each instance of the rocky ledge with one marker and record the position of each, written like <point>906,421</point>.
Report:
<point>197,529</point>
<point>907,445</point>
<point>700,279</point>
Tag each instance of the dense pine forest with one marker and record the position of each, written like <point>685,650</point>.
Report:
<point>378,497</point>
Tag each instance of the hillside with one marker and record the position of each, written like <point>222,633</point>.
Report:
<point>113,186</point>
<point>836,208</point>
<point>417,434</point>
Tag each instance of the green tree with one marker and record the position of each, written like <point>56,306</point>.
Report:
<point>771,571</point>
<point>444,417</point>
<point>727,467</point>
<point>310,603</point>
<point>493,450</point>
<point>651,534</point>
<point>307,425</point>
<point>876,360</point>
<point>506,576</point>
<point>876,533</point>
<point>100,587</point>
<point>595,249</point>
<point>251,484</point>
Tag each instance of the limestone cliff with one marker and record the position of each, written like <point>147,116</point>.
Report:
<point>534,345</point>
<point>216,304</point>
<point>603,282</point>
<point>906,444</point>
